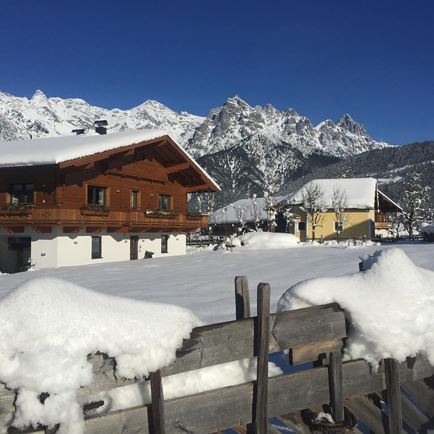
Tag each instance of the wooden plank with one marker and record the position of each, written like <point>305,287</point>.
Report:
<point>218,409</point>
<point>335,381</point>
<point>366,411</point>
<point>413,417</point>
<point>131,421</point>
<point>422,393</point>
<point>157,404</point>
<point>393,390</point>
<point>260,394</point>
<point>309,353</point>
<point>242,298</point>
<point>295,423</point>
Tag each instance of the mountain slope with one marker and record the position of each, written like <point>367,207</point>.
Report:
<point>389,166</point>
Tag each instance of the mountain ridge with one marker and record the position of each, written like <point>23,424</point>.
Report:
<point>248,149</point>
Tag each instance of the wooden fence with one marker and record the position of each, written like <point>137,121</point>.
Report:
<point>351,391</point>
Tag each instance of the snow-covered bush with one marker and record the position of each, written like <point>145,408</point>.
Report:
<point>390,306</point>
<point>48,327</point>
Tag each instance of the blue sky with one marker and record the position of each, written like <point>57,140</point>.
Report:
<point>373,59</point>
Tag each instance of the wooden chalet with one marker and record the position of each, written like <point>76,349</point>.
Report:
<point>78,199</point>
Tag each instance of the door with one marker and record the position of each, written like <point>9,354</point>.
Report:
<point>134,247</point>
<point>20,248</point>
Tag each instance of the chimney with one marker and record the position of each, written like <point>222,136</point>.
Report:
<point>78,131</point>
<point>101,126</point>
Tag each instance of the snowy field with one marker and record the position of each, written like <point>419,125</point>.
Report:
<point>203,281</point>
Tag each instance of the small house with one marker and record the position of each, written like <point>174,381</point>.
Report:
<point>86,199</point>
<point>345,208</point>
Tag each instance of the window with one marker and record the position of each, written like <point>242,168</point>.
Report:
<point>96,247</point>
<point>165,202</point>
<point>22,193</point>
<point>301,226</point>
<point>164,243</point>
<point>339,226</point>
<point>134,199</point>
<point>96,195</point>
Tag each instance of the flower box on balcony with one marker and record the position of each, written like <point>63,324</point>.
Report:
<point>16,208</point>
<point>95,210</point>
<point>161,213</point>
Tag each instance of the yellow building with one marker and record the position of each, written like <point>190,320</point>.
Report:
<point>345,208</point>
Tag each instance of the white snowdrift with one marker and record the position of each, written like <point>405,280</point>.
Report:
<point>48,327</point>
<point>391,306</point>
<point>268,240</point>
<point>189,383</point>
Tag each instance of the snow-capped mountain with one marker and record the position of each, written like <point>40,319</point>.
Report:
<point>40,116</point>
<point>236,120</point>
<point>247,149</point>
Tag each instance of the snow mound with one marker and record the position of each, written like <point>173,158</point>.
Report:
<point>390,306</point>
<point>268,240</point>
<point>48,327</point>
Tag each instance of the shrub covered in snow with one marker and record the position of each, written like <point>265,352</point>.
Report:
<point>268,240</point>
<point>48,327</point>
<point>390,306</point>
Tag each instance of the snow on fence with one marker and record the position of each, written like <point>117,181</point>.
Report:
<point>350,390</point>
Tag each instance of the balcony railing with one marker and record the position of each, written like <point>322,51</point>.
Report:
<point>93,215</point>
<point>91,209</point>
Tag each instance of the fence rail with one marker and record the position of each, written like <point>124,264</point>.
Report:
<point>313,334</point>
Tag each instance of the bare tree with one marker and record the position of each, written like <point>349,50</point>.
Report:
<point>339,205</point>
<point>314,204</point>
<point>414,200</point>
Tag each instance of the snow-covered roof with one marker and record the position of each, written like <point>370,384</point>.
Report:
<point>247,210</point>
<point>55,150</point>
<point>360,192</point>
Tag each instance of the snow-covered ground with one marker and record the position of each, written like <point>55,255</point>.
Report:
<point>203,281</point>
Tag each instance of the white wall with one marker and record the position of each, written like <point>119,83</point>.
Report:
<point>58,249</point>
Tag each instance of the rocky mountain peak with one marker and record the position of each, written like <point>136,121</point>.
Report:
<point>346,122</point>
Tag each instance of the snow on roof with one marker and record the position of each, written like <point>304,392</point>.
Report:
<point>54,150</point>
<point>359,191</point>
<point>247,210</point>
<point>391,306</point>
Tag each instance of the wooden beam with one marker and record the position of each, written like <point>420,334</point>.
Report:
<point>242,298</point>
<point>71,229</point>
<point>196,188</point>
<point>177,167</point>
<point>335,384</point>
<point>14,229</point>
<point>42,229</point>
<point>157,405</point>
<point>260,392</point>
<point>391,372</point>
<point>309,353</point>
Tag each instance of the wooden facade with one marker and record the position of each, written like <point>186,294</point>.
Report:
<point>131,178</point>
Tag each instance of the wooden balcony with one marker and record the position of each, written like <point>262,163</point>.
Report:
<point>102,218</point>
<point>381,221</point>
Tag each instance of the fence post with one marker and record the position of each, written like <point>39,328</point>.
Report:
<point>393,392</point>
<point>157,404</point>
<point>335,384</point>
<point>242,298</point>
<point>260,401</point>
